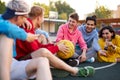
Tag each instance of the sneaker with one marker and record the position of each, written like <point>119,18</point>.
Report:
<point>91,60</point>
<point>85,71</point>
<point>73,62</point>
<point>59,73</point>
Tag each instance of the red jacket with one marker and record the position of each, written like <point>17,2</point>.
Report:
<point>24,48</point>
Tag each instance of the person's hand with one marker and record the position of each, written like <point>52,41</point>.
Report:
<point>62,47</point>
<point>82,57</point>
<point>109,43</point>
<point>102,52</point>
<point>42,39</point>
<point>49,40</point>
<point>31,37</point>
<point>27,25</point>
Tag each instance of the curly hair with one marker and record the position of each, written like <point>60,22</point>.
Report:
<point>111,30</point>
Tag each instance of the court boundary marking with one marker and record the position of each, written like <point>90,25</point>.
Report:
<point>106,66</point>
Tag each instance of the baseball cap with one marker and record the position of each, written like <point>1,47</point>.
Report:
<point>11,13</point>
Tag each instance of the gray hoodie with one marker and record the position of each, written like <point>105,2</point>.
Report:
<point>91,39</point>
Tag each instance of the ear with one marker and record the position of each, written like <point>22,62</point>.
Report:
<point>38,18</point>
<point>16,18</point>
<point>112,33</point>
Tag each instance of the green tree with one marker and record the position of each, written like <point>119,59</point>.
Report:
<point>63,7</point>
<point>63,16</point>
<point>52,6</point>
<point>103,12</point>
<point>2,7</point>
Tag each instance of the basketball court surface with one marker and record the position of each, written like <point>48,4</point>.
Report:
<point>104,71</point>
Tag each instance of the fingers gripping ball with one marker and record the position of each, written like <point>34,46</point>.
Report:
<point>70,51</point>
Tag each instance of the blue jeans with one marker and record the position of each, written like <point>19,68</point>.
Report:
<point>90,52</point>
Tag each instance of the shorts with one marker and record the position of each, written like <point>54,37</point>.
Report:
<point>18,71</point>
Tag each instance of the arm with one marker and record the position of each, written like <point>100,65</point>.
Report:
<point>95,44</point>
<point>47,36</point>
<point>83,46</point>
<point>42,39</point>
<point>82,57</point>
<point>60,34</point>
<point>6,45</point>
<point>27,24</point>
<point>13,31</point>
<point>81,42</point>
<point>38,31</point>
<point>19,33</point>
<point>115,44</point>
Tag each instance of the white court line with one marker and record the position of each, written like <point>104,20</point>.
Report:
<point>102,67</point>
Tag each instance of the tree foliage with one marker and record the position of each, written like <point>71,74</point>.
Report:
<point>63,8</point>
<point>63,16</point>
<point>103,12</point>
<point>52,6</point>
<point>2,7</point>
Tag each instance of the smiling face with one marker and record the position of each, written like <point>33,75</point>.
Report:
<point>106,34</point>
<point>90,26</point>
<point>72,23</point>
<point>73,20</point>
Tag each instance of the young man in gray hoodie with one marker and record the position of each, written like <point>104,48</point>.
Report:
<point>90,36</point>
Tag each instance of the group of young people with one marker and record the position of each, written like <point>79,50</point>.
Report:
<point>40,57</point>
<point>89,43</point>
<point>24,54</point>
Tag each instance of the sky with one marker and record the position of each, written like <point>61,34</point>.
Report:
<point>83,7</point>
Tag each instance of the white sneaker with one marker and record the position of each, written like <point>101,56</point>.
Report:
<point>91,60</point>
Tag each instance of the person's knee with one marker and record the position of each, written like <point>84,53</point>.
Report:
<point>42,60</point>
<point>36,64</point>
<point>44,52</point>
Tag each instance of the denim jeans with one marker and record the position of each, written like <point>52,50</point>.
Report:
<point>90,52</point>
